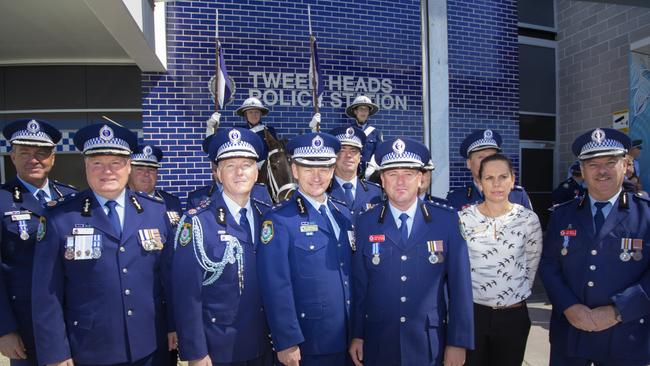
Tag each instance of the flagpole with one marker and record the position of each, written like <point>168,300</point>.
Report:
<point>217,65</point>
<point>312,60</point>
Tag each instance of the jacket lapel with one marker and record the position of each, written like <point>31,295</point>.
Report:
<point>419,227</point>
<point>98,217</point>
<point>616,215</point>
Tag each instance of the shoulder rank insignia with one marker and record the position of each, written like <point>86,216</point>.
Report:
<point>40,233</point>
<point>85,207</point>
<point>623,203</point>
<point>382,213</point>
<point>185,235</point>
<point>267,232</point>
<point>57,190</point>
<point>425,212</point>
<point>136,204</point>
<point>221,216</point>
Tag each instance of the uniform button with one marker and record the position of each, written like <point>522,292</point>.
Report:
<point>338,245</point>
<point>127,292</point>
<point>592,267</point>
<point>402,299</point>
<point>214,320</point>
<point>13,297</point>
<point>345,283</point>
<point>594,252</point>
<point>404,257</point>
<point>75,323</point>
<point>402,319</point>
<point>348,302</point>
<point>311,247</point>
<point>590,283</point>
<point>302,315</point>
<point>129,313</point>
<point>125,271</point>
<point>403,278</point>
<point>341,264</point>
<point>122,249</point>
<point>641,321</point>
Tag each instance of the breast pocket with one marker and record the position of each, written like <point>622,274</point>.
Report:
<point>377,257</point>
<point>310,255</point>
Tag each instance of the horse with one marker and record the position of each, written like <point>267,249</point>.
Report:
<point>276,170</point>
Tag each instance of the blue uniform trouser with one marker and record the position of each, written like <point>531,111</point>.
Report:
<point>154,359</point>
<point>332,359</point>
<point>265,360</point>
<point>562,360</point>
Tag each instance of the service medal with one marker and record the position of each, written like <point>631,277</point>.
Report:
<point>24,235</point>
<point>637,255</point>
<point>97,253</point>
<point>69,254</point>
<point>564,251</point>
<point>433,258</point>
<point>375,259</point>
<point>441,258</point>
<point>625,256</point>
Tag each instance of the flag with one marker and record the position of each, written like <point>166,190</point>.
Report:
<point>317,82</point>
<point>224,91</point>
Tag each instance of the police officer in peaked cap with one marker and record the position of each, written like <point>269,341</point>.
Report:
<point>304,261</point>
<point>596,262</point>
<point>145,163</point>
<point>571,187</point>
<point>201,195</point>
<point>23,200</point>
<point>102,265</point>
<point>361,109</point>
<point>217,301</point>
<point>477,146</point>
<point>358,194</point>
<point>409,252</point>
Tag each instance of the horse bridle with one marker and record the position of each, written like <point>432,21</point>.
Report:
<point>275,190</point>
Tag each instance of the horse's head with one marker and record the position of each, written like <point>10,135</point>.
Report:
<point>276,171</point>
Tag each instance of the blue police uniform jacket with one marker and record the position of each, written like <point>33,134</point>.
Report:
<point>172,205</point>
<point>259,130</point>
<point>366,195</point>
<point>592,273</point>
<point>304,276</point>
<point>470,194</point>
<point>197,197</point>
<point>218,314</point>
<point>111,309</point>
<point>399,308</point>
<point>567,190</point>
<point>21,211</point>
<point>372,140</point>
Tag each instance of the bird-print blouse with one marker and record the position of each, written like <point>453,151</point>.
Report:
<point>504,253</point>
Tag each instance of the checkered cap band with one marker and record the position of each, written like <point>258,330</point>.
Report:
<point>25,137</point>
<point>143,159</point>
<point>349,140</point>
<point>607,145</point>
<point>309,152</point>
<point>484,143</point>
<point>407,159</point>
<point>236,149</point>
<point>114,144</point>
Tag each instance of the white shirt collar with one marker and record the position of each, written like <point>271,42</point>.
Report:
<point>120,199</point>
<point>340,181</point>
<point>234,207</point>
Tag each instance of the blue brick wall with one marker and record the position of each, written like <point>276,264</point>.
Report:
<point>483,76</point>
<point>356,39</point>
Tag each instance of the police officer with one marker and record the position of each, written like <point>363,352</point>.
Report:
<point>571,188</point>
<point>408,252</point>
<point>252,110</point>
<point>596,263</point>
<point>360,110</point>
<point>102,265</point>
<point>358,194</point>
<point>144,175</point>
<point>477,146</point>
<point>304,261</point>
<point>22,201</point>
<point>201,195</point>
<point>423,191</point>
<point>218,306</point>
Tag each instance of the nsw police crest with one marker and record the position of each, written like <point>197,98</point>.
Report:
<point>186,234</point>
<point>267,232</point>
<point>40,233</point>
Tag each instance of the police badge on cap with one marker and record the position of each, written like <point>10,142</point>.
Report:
<point>30,132</point>
<point>236,143</point>
<point>402,153</point>
<point>148,155</point>
<point>601,142</point>
<point>101,139</point>
<point>314,149</point>
<point>350,136</point>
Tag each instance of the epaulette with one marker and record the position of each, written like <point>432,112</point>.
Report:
<point>260,184</point>
<point>641,196</point>
<point>150,197</point>
<point>279,205</point>
<point>260,202</point>
<point>441,206</point>
<point>61,200</point>
<point>517,188</point>
<point>65,185</point>
<point>580,200</point>
<point>369,183</point>
<point>335,200</point>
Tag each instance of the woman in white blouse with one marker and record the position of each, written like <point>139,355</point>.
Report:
<point>505,244</point>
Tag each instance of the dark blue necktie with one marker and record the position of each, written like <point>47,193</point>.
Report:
<point>245,225</point>
<point>403,228</point>
<point>349,198</point>
<point>113,217</point>
<point>323,211</point>
<point>41,197</point>
<point>599,217</point>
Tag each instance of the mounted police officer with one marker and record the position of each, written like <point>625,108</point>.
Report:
<point>252,110</point>
<point>360,110</point>
<point>201,195</point>
<point>409,252</point>
<point>358,194</point>
<point>570,188</point>
<point>102,265</point>
<point>144,175</point>
<point>477,146</point>
<point>304,261</point>
<point>596,263</point>
<point>217,302</point>
<point>23,202</point>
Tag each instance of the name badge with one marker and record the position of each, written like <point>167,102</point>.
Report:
<point>20,217</point>
<point>225,237</point>
<point>83,231</point>
<point>308,228</point>
<point>11,213</point>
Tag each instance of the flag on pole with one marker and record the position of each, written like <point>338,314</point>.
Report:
<point>316,78</point>
<point>224,90</point>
